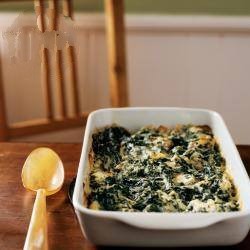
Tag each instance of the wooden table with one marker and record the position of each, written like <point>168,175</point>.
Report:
<point>16,203</point>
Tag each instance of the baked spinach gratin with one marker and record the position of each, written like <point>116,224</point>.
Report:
<point>159,169</point>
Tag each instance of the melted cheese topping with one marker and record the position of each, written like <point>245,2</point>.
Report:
<point>159,169</point>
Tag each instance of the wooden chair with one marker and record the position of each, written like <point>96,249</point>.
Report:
<point>114,12</point>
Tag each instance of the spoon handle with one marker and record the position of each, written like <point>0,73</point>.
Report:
<point>37,237</point>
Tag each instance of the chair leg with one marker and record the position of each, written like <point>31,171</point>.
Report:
<point>114,10</point>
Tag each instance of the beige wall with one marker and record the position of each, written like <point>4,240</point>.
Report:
<point>165,7</point>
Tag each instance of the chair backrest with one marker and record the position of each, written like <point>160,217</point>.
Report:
<point>114,12</point>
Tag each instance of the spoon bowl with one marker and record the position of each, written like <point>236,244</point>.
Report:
<point>43,169</point>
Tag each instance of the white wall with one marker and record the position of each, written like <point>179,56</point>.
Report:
<point>172,61</point>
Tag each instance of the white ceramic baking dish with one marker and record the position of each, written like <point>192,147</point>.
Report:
<point>163,229</point>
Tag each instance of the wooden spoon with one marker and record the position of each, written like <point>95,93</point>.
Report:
<point>43,173</point>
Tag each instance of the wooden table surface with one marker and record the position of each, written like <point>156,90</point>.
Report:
<point>64,232</point>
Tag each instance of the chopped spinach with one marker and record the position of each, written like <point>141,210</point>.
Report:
<point>178,169</point>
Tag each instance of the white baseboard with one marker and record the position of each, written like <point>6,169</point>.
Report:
<point>170,23</point>
<point>148,22</point>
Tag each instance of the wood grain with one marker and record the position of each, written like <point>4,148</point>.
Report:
<point>16,203</point>
<point>64,232</point>
<point>114,12</point>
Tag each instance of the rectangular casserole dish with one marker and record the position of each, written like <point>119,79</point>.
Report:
<point>163,229</point>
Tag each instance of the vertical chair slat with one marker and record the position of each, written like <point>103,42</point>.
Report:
<point>67,8</point>
<point>53,14</point>
<point>116,52</point>
<point>47,83</point>
<point>40,13</point>
<point>3,115</point>
<point>60,83</point>
<point>71,60</point>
